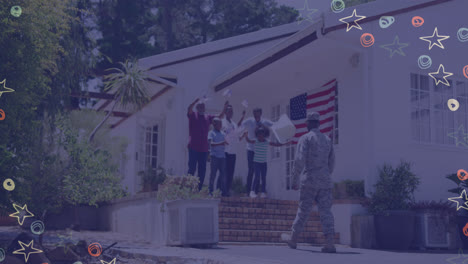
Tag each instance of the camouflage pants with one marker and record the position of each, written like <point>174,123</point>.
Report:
<point>324,200</point>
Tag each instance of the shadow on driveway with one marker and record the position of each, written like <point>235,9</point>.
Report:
<point>337,252</point>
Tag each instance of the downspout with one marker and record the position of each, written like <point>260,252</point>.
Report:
<point>368,133</point>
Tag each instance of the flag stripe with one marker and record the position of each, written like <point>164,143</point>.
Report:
<point>321,100</point>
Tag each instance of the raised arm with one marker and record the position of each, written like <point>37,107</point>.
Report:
<point>242,119</point>
<point>221,116</point>
<point>190,108</point>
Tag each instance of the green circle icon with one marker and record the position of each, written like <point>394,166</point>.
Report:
<point>16,11</point>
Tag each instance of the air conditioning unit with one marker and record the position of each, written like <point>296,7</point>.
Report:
<point>192,222</point>
<point>431,230</point>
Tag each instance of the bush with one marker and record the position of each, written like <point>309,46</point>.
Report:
<point>394,189</point>
<point>151,178</point>
<point>183,188</point>
<point>238,186</point>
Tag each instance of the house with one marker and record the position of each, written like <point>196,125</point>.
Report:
<point>388,108</point>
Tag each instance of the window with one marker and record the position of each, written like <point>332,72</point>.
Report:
<point>431,119</point>
<point>420,108</point>
<point>151,147</point>
<point>275,115</point>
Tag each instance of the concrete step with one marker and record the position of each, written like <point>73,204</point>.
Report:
<point>270,236</point>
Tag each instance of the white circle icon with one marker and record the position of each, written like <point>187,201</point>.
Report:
<point>453,104</point>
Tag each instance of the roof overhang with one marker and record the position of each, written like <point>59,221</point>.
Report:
<point>282,49</point>
<point>312,33</point>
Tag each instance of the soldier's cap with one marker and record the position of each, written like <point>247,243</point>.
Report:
<point>313,116</point>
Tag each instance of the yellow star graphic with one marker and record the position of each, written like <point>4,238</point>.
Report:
<point>21,215</point>
<point>456,200</point>
<point>105,262</point>
<point>7,90</point>
<point>354,22</point>
<point>446,74</point>
<point>439,38</point>
<point>29,246</point>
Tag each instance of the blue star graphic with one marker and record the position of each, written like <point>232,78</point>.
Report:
<point>395,47</point>
<point>460,136</point>
<point>309,14</point>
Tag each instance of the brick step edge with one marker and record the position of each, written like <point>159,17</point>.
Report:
<point>242,210</point>
<point>259,224</point>
<point>262,216</point>
<point>247,201</point>
<point>267,228</point>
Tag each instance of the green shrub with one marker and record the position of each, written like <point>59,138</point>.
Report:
<point>152,178</point>
<point>183,188</point>
<point>395,188</point>
<point>238,186</point>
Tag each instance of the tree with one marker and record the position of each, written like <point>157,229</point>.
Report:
<point>31,52</point>
<point>128,85</point>
<point>123,24</point>
<point>136,29</point>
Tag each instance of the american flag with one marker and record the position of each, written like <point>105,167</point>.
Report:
<point>321,100</point>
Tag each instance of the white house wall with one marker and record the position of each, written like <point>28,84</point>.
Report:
<point>306,68</point>
<point>194,78</point>
<point>390,92</point>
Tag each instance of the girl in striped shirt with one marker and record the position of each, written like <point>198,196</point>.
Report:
<point>260,158</point>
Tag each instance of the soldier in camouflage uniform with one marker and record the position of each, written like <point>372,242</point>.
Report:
<point>315,155</point>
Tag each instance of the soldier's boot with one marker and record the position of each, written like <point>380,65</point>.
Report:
<point>330,245</point>
<point>290,239</point>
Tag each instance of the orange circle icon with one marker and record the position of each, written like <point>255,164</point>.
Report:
<point>417,21</point>
<point>2,113</point>
<point>465,230</point>
<point>367,40</point>
<point>95,249</point>
<point>465,72</point>
<point>462,177</point>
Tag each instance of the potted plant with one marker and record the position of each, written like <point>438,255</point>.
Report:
<point>390,204</point>
<point>432,223</point>
<point>461,214</point>
<point>152,178</point>
<point>191,215</point>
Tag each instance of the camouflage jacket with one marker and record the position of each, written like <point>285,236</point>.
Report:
<point>314,156</point>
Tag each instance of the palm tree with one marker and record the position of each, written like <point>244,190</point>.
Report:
<point>129,87</point>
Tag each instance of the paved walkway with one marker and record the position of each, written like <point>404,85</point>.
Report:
<point>133,247</point>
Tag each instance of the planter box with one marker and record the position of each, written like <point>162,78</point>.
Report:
<point>192,222</point>
<point>395,229</point>
<point>431,230</point>
<point>363,231</point>
<point>7,221</point>
<point>87,218</point>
